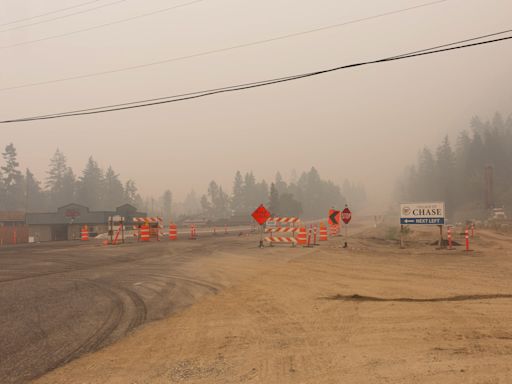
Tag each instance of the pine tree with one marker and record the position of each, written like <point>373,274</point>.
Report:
<point>274,200</point>
<point>13,180</point>
<point>166,203</point>
<point>130,194</point>
<point>35,199</point>
<point>114,192</point>
<point>56,183</point>
<point>237,200</point>
<point>90,186</point>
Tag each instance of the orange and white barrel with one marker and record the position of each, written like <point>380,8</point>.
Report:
<point>323,233</point>
<point>144,232</point>
<point>173,232</point>
<point>302,237</point>
<point>84,233</point>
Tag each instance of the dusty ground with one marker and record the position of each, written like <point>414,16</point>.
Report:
<point>369,314</point>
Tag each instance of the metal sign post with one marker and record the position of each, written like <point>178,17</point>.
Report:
<point>346,216</point>
<point>261,215</point>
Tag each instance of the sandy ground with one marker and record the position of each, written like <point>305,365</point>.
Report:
<point>368,314</point>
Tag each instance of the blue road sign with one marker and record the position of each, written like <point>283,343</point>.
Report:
<point>422,220</point>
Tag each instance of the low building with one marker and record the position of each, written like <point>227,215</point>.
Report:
<point>12,218</point>
<point>67,221</point>
<point>12,228</point>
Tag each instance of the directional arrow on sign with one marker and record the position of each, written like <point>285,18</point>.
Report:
<point>333,217</point>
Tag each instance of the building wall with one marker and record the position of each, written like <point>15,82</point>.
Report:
<point>40,232</point>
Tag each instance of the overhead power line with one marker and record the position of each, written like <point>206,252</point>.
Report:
<point>240,87</point>
<point>62,16</point>
<point>220,50</point>
<point>49,13</point>
<point>281,78</point>
<point>102,25</point>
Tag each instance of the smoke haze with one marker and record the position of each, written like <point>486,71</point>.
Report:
<point>363,124</point>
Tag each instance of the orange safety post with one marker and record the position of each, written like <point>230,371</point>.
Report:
<point>144,232</point>
<point>449,238</point>
<point>302,237</point>
<point>314,235</point>
<point>466,235</point>
<point>472,230</point>
<point>173,232</point>
<point>84,233</point>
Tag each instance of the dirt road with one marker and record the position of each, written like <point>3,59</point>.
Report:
<point>59,301</point>
<point>369,314</point>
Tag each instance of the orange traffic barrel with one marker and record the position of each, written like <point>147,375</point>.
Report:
<point>323,233</point>
<point>144,232</point>
<point>173,232</point>
<point>84,233</point>
<point>302,236</point>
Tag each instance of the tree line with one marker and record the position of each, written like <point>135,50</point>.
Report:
<point>457,174</point>
<point>308,196</point>
<point>95,188</point>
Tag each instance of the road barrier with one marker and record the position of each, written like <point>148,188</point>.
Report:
<point>84,233</point>
<point>302,236</point>
<point>155,225</point>
<point>144,232</point>
<point>291,229</point>
<point>323,232</point>
<point>286,220</point>
<point>275,239</point>
<point>335,229</point>
<point>173,231</point>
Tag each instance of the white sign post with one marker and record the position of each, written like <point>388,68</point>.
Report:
<point>429,213</point>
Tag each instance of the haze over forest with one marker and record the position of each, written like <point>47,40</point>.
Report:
<point>365,125</point>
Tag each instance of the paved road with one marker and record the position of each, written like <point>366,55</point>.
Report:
<point>61,300</point>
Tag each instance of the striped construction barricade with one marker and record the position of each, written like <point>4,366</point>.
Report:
<point>278,239</point>
<point>155,225</point>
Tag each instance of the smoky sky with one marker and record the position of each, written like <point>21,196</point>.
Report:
<point>364,124</point>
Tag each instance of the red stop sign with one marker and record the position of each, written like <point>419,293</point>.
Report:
<point>346,215</point>
<point>261,214</point>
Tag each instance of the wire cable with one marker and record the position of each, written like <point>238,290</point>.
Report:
<point>246,86</point>
<point>280,78</point>
<point>49,13</point>
<point>220,50</point>
<point>103,25</point>
<point>62,16</point>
